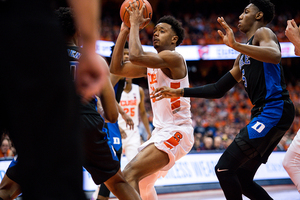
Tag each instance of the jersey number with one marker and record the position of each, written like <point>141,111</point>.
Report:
<point>132,111</point>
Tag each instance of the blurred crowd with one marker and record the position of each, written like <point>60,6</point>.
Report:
<point>200,25</point>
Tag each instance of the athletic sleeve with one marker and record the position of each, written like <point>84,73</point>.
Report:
<point>214,90</point>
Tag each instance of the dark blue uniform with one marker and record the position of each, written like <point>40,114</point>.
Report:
<point>114,133</point>
<point>273,111</point>
<point>271,117</point>
<point>100,159</point>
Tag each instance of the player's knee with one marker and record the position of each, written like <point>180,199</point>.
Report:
<point>222,172</point>
<point>130,173</point>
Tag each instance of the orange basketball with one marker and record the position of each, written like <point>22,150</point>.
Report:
<point>125,15</point>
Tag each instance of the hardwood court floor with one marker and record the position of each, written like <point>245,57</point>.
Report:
<point>277,192</point>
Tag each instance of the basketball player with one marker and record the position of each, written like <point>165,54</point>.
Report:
<point>132,101</point>
<point>34,71</point>
<point>259,68</point>
<point>291,160</point>
<point>172,137</point>
<point>114,132</point>
<point>100,160</point>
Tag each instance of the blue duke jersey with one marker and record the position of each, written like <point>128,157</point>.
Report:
<point>263,82</point>
<point>273,111</point>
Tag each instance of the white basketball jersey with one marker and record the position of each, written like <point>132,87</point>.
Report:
<point>130,103</point>
<point>169,111</point>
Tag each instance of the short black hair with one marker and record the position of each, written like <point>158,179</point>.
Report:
<point>176,27</point>
<point>267,7</point>
<point>113,47</point>
<point>66,19</point>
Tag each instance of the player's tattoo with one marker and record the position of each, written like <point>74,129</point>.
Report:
<point>181,92</point>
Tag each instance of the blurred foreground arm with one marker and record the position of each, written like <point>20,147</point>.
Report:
<point>91,74</point>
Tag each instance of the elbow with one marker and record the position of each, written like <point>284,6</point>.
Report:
<point>133,58</point>
<point>276,59</point>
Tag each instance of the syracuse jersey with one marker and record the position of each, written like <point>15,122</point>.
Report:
<point>169,111</point>
<point>130,103</point>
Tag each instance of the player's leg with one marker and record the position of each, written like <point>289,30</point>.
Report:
<point>145,163</point>
<point>226,168</point>
<point>147,189</point>
<point>120,187</point>
<point>291,161</point>
<point>9,189</point>
<point>104,192</point>
<point>249,187</point>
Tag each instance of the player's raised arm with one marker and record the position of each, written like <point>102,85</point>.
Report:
<point>117,65</point>
<point>265,45</point>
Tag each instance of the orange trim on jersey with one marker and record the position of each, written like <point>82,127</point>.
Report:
<point>174,140</point>
<point>169,146</point>
<point>175,105</point>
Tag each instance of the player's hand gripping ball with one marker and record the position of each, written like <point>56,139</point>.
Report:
<point>125,15</point>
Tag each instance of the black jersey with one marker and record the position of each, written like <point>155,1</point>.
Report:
<point>263,81</point>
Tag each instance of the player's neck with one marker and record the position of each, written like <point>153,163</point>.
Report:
<point>128,88</point>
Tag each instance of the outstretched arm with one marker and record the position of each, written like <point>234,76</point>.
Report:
<point>91,73</point>
<point>209,91</point>
<point>292,32</point>
<point>264,48</point>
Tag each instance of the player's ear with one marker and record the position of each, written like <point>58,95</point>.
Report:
<point>174,39</point>
<point>259,15</point>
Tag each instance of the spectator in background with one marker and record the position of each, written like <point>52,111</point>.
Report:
<point>218,143</point>
<point>5,149</point>
<point>197,142</point>
<point>207,143</point>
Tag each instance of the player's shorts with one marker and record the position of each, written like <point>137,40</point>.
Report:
<point>268,125</point>
<point>131,143</point>
<point>101,160</point>
<point>176,141</point>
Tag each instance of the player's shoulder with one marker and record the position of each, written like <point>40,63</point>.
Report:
<point>264,33</point>
<point>171,56</point>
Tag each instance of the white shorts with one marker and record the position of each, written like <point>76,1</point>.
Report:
<point>176,141</point>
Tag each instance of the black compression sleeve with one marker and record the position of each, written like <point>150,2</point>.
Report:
<point>214,90</point>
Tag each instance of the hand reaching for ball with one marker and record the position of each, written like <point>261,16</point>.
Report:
<point>141,9</point>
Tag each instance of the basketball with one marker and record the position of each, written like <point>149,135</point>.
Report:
<point>125,15</point>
